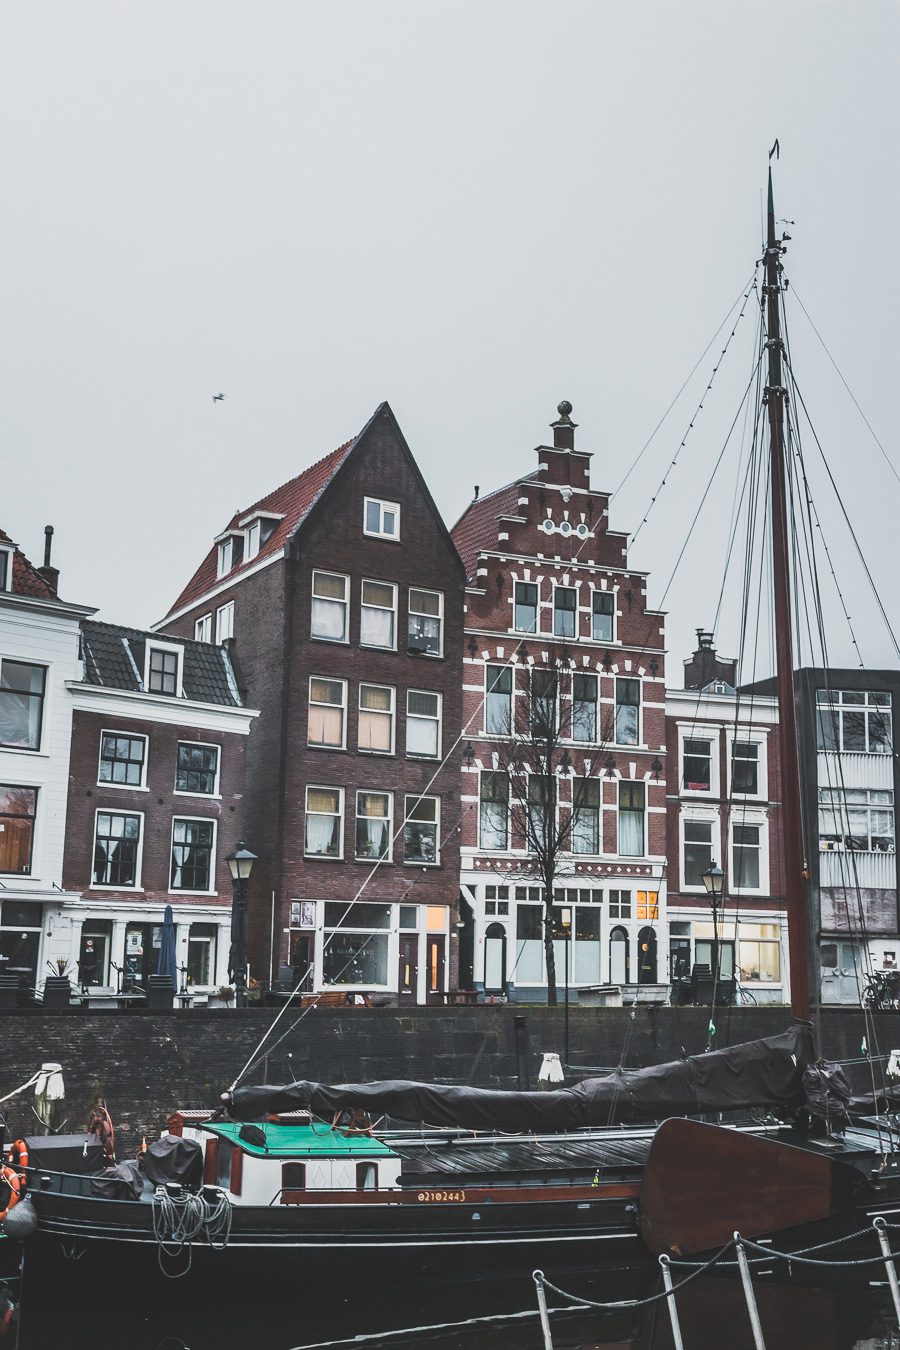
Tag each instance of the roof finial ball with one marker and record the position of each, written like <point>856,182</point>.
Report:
<point>564,427</point>
<point>564,409</point>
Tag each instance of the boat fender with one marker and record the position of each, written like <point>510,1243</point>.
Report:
<point>10,1178</point>
<point>18,1153</point>
<point>21,1223</point>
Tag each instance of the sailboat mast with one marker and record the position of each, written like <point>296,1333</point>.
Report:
<point>798,933</point>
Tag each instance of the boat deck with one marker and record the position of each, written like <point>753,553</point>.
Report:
<point>526,1158</point>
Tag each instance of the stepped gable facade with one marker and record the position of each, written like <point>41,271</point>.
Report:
<point>549,587</point>
<point>339,599</point>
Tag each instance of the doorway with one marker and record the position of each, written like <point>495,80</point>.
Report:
<point>647,956</point>
<point>495,959</point>
<point>408,973</point>
<point>142,944</point>
<point>843,971</point>
<point>435,972</point>
<point>93,954</point>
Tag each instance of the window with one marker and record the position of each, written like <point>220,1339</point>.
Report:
<point>366,1176</point>
<point>21,704</point>
<point>18,808</point>
<point>324,822</point>
<point>6,568</point>
<point>252,537</point>
<point>498,700</point>
<point>197,769</point>
<point>355,950</point>
<point>494,809</point>
<point>631,819</point>
<point>192,855</point>
<point>529,959</point>
<point>620,904</point>
<point>117,841</point>
<point>745,850</point>
<point>203,629</point>
<point>698,851</point>
<point>373,825</point>
<point>854,720</point>
<point>648,906</point>
<point>585,816</point>
<point>696,766</point>
<point>376,719</point>
<point>329,606</point>
<point>628,711</point>
<point>224,561</point>
<point>423,723</point>
<point>745,768</point>
<point>163,671</point>
<point>759,952</point>
<point>421,843</point>
<point>201,962</point>
<point>539,818</point>
<point>543,702</point>
<point>426,622</point>
<point>327,707</point>
<point>565,611</point>
<point>703,953</point>
<point>496,900</point>
<point>378,615</point>
<point>619,948</point>
<point>122,759</point>
<point>225,622</point>
<point>257,533</point>
<point>526,607</point>
<point>584,708</point>
<point>381,519</point>
<point>860,819</point>
<point>604,610</point>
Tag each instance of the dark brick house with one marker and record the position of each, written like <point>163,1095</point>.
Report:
<point>339,597</point>
<point>155,806</point>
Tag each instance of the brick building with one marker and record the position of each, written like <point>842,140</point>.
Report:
<point>155,806</point>
<point>339,597</point>
<point>724,809</point>
<point>557,621</point>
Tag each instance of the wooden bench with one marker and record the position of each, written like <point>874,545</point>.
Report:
<point>334,998</point>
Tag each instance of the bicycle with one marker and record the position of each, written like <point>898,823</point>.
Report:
<point>882,991</point>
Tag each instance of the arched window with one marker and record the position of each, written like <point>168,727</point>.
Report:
<point>618,956</point>
<point>647,956</point>
<point>495,959</point>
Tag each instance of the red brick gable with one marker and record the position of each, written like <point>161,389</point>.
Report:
<point>476,528</point>
<point>26,579</point>
<point>293,501</point>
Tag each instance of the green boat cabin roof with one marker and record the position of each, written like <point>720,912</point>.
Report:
<point>302,1141</point>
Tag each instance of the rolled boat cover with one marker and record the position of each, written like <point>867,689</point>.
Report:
<point>766,1072</point>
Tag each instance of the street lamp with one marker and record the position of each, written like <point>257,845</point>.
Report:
<point>714,881</point>
<point>565,918</point>
<point>240,865</point>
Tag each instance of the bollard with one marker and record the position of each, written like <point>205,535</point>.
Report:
<point>749,1295</point>
<point>538,1277</point>
<point>881,1230</point>
<point>670,1301</point>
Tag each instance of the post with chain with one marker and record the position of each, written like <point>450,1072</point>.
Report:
<point>665,1265</point>
<point>538,1277</point>
<point>880,1227</point>
<point>749,1295</point>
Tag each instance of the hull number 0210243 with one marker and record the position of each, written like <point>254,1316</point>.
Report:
<point>441,1195</point>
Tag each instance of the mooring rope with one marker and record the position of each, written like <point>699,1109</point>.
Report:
<point>181,1219</point>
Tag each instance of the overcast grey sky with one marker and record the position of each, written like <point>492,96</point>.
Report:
<point>470,209</point>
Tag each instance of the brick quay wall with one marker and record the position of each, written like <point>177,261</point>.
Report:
<point>144,1064</point>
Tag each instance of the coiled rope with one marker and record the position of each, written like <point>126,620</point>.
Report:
<point>183,1218</point>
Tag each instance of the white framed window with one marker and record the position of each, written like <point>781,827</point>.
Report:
<point>747,763</point>
<point>856,820</point>
<point>18,817</point>
<point>258,530</point>
<point>498,700</point>
<point>225,622</point>
<point>162,669</point>
<point>493,803</point>
<point>330,607</point>
<point>699,850</point>
<point>586,817</point>
<point>224,557</point>
<point>6,568</point>
<point>854,720</point>
<point>423,723</point>
<point>327,724</point>
<point>324,835</point>
<point>381,519</point>
<point>373,825</point>
<point>123,759</point>
<point>425,622</point>
<point>378,615</point>
<point>628,711</point>
<point>544,701</point>
<point>22,692</point>
<point>251,536</point>
<point>747,856</point>
<point>584,708</point>
<point>356,947</point>
<point>698,766</point>
<point>376,719</point>
<point>565,611</point>
<point>193,858</point>
<point>203,628</point>
<point>525,607</point>
<point>197,769</point>
<point>118,837</point>
<point>421,830</point>
<point>632,812</point>
<point>603,616</point>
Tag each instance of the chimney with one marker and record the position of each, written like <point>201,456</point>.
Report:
<point>705,666</point>
<point>50,574</point>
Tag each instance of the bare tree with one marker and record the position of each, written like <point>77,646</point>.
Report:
<point>546,779</point>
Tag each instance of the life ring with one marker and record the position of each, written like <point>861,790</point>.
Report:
<point>18,1153</point>
<point>10,1176</point>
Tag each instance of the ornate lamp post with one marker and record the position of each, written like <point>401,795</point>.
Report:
<point>714,881</point>
<point>240,865</point>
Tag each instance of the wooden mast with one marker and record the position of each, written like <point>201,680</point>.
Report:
<point>794,867</point>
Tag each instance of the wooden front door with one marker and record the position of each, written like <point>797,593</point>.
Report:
<point>434,987</point>
<point>408,975</point>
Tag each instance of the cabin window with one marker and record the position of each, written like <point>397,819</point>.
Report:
<point>223,1163</point>
<point>293,1176</point>
<point>367,1176</point>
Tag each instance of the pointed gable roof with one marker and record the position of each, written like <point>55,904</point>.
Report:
<point>26,579</point>
<point>477,527</point>
<point>293,502</point>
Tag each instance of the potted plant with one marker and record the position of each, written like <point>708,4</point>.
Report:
<point>223,996</point>
<point>57,986</point>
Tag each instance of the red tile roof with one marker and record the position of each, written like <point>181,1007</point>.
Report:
<point>26,579</point>
<point>293,500</point>
<point>477,527</point>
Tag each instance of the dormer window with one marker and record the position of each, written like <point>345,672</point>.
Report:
<point>226,554</point>
<point>252,540</point>
<point>163,672</point>
<point>6,569</point>
<point>258,532</point>
<point>381,519</point>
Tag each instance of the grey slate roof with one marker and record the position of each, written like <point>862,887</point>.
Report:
<point>114,657</point>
